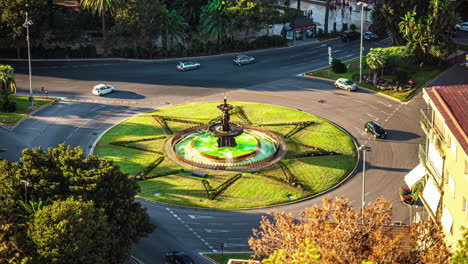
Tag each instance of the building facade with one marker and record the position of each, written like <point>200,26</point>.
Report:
<point>444,160</point>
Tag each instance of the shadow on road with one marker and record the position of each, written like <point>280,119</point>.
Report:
<point>125,95</point>
<point>398,135</point>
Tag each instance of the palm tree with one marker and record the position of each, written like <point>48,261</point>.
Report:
<point>173,27</point>
<point>375,61</point>
<point>190,10</point>
<point>100,7</point>
<point>215,22</point>
<point>7,82</point>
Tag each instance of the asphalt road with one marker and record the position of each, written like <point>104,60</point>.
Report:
<point>80,118</point>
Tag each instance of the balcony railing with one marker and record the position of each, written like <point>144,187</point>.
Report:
<point>426,122</point>
<point>427,163</point>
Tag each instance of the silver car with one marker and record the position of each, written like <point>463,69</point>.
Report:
<point>187,65</point>
<point>243,59</point>
<point>370,36</point>
<point>345,84</point>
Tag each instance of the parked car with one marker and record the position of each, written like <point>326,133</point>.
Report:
<point>243,59</point>
<point>187,65</point>
<point>375,129</point>
<point>406,195</point>
<point>349,35</point>
<point>463,26</point>
<point>177,257</point>
<point>345,84</point>
<point>370,36</point>
<point>102,89</point>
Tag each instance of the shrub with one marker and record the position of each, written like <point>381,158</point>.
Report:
<point>401,76</point>
<point>352,27</point>
<point>338,66</point>
<point>8,107</point>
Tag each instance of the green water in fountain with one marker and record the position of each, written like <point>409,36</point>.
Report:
<point>206,143</point>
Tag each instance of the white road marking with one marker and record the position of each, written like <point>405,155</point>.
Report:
<point>234,245</point>
<point>373,117</point>
<point>339,109</point>
<point>362,133</point>
<point>384,112</point>
<point>386,104</point>
<point>216,230</point>
<point>362,120</point>
<point>200,216</point>
<point>347,56</point>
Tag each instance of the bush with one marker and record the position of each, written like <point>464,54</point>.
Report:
<point>338,66</point>
<point>352,27</point>
<point>401,76</point>
<point>8,107</point>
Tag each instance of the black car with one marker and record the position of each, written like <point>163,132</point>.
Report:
<point>349,35</point>
<point>177,257</point>
<point>375,129</point>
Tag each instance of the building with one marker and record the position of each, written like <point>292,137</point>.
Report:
<point>443,171</point>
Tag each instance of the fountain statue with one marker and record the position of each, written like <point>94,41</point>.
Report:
<point>225,131</point>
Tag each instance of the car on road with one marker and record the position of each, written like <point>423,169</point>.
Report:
<point>177,257</point>
<point>187,65</point>
<point>345,84</point>
<point>406,195</point>
<point>375,129</point>
<point>349,35</point>
<point>370,36</point>
<point>102,89</point>
<point>243,59</point>
<point>463,26</point>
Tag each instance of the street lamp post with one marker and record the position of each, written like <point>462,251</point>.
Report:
<point>27,24</point>
<point>362,4</point>
<point>363,148</point>
<point>26,185</point>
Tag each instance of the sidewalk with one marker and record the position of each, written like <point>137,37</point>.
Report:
<point>318,14</point>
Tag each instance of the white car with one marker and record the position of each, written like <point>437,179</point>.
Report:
<point>463,26</point>
<point>187,65</point>
<point>345,84</point>
<point>102,89</point>
<point>370,36</point>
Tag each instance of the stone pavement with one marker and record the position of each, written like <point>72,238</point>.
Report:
<point>318,14</point>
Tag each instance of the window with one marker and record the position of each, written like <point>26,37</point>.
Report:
<point>453,147</point>
<point>451,183</point>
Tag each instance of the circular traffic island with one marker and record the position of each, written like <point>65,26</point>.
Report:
<point>249,155</point>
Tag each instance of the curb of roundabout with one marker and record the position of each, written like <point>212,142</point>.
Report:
<point>13,125</point>
<point>337,185</point>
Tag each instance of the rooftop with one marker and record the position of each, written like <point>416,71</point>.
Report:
<point>452,103</point>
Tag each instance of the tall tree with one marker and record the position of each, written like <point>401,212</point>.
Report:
<point>376,62</point>
<point>7,82</point>
<point>64,173</point>
<point>425,34</point>
<point>71,232</point>
<point>215,21</point>
<point>173,27</point>
<point>101,7</point>
<point>341,235</point>
<point>12,17</point>
<point>327,14</point>
<point>190,11</point>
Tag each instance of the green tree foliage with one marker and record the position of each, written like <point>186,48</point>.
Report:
<point>100,7</point>
<point>71,232</point>
<point>65,173</point>
<point>13,15</point>
<point>425,34</point>
<point>173,27</point>
<point>7,82</point>
<point>461,255</point>
<point>215,21</point>
<point>376,61</point>
<point>190,11</point>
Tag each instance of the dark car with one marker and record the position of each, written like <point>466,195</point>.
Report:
<point>375,129</point>
<point>349,35</point>
<point>243,59</point>
<point>177,257</point>
<point>405,195</point>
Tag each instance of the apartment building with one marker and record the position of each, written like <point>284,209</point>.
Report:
<point>442,175</point>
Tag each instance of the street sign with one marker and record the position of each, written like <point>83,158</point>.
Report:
<point>222,247</point>
<point>330,59</point>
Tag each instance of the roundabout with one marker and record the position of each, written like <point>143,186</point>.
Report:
<point>265,155</point>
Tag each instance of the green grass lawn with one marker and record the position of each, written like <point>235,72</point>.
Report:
<point>224,258</point>
<point>420,76</point>
<point>22,108</point>
<point>140,142</point>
